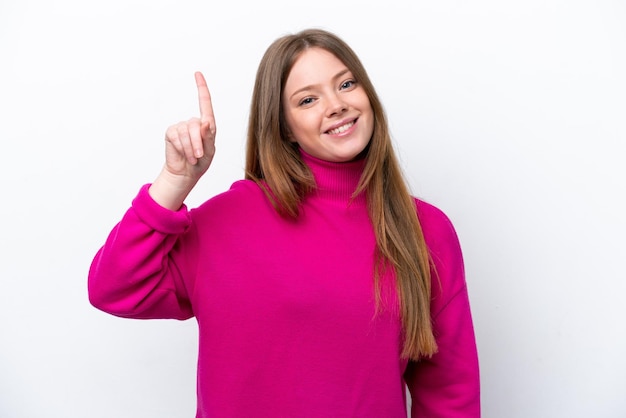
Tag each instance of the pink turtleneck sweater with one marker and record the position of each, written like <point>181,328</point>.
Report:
<point>285,308</point>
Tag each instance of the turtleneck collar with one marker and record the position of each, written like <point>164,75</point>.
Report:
<point>336,181</point>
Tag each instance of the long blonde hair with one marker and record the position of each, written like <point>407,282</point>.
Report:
<point>275,163</point>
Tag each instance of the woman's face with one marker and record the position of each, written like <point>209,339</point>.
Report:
<point>327,111</point>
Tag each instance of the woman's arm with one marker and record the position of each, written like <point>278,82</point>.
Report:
<point>447,385</point>
<point>134,273</point>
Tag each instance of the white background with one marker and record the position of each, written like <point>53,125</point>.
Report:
<point>509,116</point>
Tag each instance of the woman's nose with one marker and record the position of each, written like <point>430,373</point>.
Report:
<point>336,105</point>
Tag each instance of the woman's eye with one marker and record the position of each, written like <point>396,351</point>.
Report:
<point>306,101</point>
<point>347,84</point>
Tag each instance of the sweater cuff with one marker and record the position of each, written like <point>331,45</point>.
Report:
<point>159,218</point>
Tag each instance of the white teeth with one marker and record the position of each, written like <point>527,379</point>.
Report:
<point>341,128</point>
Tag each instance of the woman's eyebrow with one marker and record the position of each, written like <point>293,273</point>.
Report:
<point>311,86</point>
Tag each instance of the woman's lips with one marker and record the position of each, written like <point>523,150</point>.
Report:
<point>342,128</point>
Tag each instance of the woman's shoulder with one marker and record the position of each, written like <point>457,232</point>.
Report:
<point>241,189</point>
<point>445,252</point>
<point>440,235</point>
<point>435,222</point>
<point>242,197</point>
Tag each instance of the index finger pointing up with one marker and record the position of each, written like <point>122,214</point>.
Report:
<point>204,98</point>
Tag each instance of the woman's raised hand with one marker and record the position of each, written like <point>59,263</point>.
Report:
<point>189,150</point>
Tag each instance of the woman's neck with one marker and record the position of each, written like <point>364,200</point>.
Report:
<point>336,181</point>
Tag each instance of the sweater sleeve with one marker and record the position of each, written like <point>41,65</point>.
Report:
<point>134,274</point>
<point>447,385</point>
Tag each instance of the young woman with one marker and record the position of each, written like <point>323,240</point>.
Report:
<point>320,286</point>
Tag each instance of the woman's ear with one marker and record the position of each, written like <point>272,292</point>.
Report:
<point>290,137</point>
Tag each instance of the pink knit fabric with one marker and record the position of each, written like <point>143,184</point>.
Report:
<point>287,323</point>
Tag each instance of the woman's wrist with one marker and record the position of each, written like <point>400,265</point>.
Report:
<point>170,190</point>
